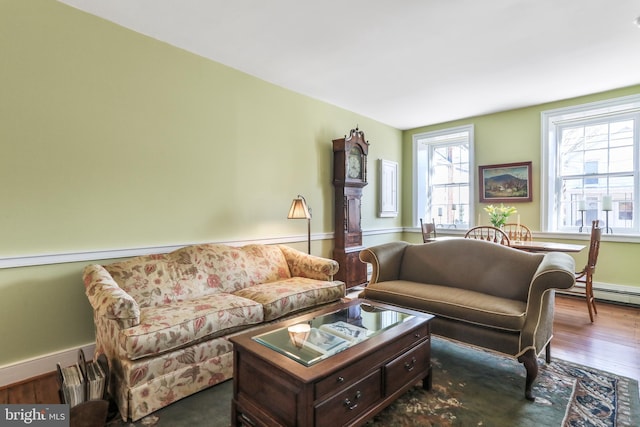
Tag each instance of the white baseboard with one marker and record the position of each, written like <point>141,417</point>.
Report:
<point>20,371</point>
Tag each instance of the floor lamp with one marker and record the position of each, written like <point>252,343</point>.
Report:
<point>300,210</point>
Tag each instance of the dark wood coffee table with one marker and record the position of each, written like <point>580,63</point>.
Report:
<point>324,381</point>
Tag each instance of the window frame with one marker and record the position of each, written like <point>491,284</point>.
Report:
<point>551,123</point>
<point>420,196</point>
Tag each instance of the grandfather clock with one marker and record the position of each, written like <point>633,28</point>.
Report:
<point>349,177</point>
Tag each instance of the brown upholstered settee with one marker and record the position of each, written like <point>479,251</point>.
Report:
<point>482,293</point>
<point>163,320</point>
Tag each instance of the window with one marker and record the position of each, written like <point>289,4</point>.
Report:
<point>591,156</point>
<point>443,179</point>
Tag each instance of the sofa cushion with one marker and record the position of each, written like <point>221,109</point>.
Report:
<point>195,271</point>
<point>262,263</point>
<point>470,264</point>
<point>182,323</point>
<point>453,303</point>
<point>290,295</point>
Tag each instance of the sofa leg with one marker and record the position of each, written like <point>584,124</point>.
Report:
<point>531,365</point>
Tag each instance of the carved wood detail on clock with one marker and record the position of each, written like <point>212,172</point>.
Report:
<point>349,177</point>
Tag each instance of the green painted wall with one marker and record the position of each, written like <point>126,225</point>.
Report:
<point>110,139</point>
<point>514,136</point>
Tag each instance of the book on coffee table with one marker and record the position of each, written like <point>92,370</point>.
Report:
<point>347,331</point>
<point>324,342</point>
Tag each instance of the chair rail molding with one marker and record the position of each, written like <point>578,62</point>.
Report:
<point>105,254</point>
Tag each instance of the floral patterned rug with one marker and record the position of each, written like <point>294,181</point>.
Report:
<point>471,387</point>
<point>475,387</point>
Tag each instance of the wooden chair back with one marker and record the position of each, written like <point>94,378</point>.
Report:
<point>518,232</point>
<point>586,275</point>
<point>488,233</point>
<point>594,246</point>
<point>428,230</point>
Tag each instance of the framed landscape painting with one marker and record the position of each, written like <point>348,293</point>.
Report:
<point>508,182</point>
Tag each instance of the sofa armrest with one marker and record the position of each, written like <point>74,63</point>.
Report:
<point>554,272</point>
<point>309,266</point>
<point>385,260</point>
<point>108,299</point>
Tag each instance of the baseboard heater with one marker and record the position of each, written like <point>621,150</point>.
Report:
<point>620,294</point>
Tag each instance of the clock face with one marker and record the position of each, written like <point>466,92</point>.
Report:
<point>354,168</point>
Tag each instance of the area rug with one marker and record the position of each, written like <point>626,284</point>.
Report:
<point>475,387</point>
<point>471,387</point>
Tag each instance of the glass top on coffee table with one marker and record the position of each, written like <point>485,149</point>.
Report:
<point>314,340</point>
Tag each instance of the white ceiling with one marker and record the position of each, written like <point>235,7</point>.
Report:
<point>405,63</point>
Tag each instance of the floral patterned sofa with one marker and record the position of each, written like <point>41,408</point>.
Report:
<point>163,320</point>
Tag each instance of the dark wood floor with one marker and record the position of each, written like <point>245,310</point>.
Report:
<point>612,344</point>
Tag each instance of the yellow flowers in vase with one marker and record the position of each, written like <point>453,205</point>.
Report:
<point>498,215</point>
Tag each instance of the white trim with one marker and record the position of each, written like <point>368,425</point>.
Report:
<point>68,257</point>
<point>544,235</point>
<point>550,185</point>
<point>379,231</point>
<point>20,371</point>
<point>388,189</point>
<point>92,255</point>
<point>421,187</point>
<point>585,235</point>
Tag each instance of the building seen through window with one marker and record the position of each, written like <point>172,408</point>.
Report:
<point>592,156</point>
<point>444,176</point>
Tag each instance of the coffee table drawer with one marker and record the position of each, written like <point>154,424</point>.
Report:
<point>350,403</point>
<point>342,378</point>
<point>338,380</point>
<point>405,368</point>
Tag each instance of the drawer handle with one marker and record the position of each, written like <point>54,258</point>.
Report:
<point>410,365</point>
<point>340,379</point>
<point>417,335</point>
<point>353,405</point>
<point>246,421</point>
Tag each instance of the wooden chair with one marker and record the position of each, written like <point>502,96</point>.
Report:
<point>518,232</point>
<point>586,275</point>
<point>488,233</point>
<point>428,230</point>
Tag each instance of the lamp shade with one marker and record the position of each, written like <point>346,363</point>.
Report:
<point>299,209</point>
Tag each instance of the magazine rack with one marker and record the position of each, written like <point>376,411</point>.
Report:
<point>90,413</point>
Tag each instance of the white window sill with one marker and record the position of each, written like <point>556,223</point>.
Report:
<point>549,235</point>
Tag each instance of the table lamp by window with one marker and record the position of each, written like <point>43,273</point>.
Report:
<point>300,210</point>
